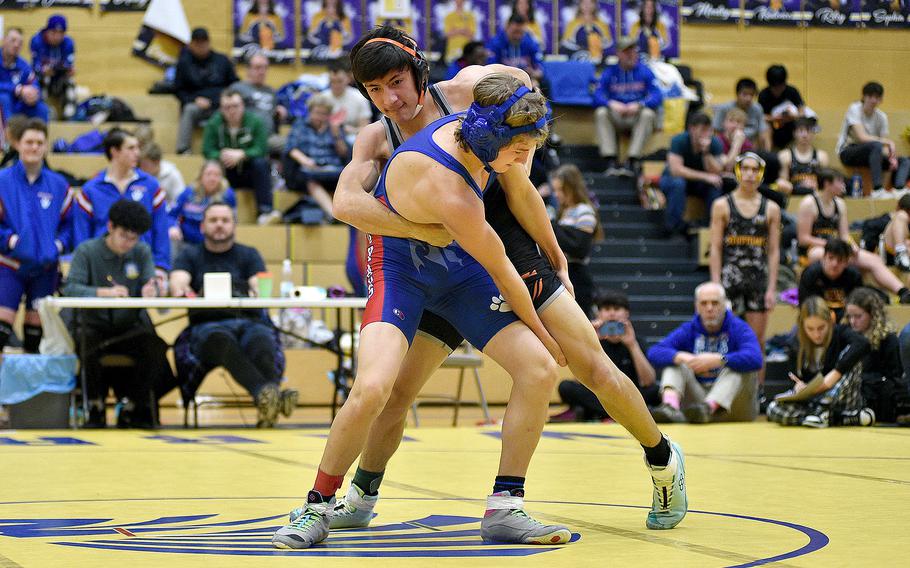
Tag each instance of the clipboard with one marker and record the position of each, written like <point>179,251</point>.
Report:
<point>811,390</point>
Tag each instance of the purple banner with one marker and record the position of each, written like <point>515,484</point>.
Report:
<point>264,25</point>
<point>656,25</point>
<point>774,13</point>
<point>21,4</point>
<point>539,14</point>
<point>886,13</point>
<point>587,30</point>
<point>711,12</point>
<point>407,15</point>
<point>330,28</point>
<point>124,5</point>
<point>833,13</point>
<point>455,23</point>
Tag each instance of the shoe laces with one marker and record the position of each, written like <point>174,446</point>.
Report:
<point>521,513</point>
<point>308,517</point>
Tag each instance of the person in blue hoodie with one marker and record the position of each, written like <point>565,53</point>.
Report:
<point>35,227</point>
<point>627,100</point>
<point>515,46</point>
<point>709,365</point>
<point>20,92</point>
<point>54,59</point>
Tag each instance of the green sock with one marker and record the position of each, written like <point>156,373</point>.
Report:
<point>368,481</point>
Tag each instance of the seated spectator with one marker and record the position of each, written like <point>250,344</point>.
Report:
<point>834,352</point>
<point>516,47</point>
<point>755,128</point>
<point>20,91</point>
<point>186,214</point>
<point>201,75</point>
<point>782,105</point>
<point>801,162</point>
<point>348,104</point>
<point>118,265</point>
<point>628,99</point>
<point>619,342</point>
<point>13,129</point>
<point>169,178</point>
<point>716,351</point>
<point>896,236</point>
<point>822,216</point>
<point>474,53</point>
<point>884,388</point>
<point>577,226</point>
<point>733,138</point>
<point>261,99</point>
<point>241,341</point>
<point>831,278</point>
<point>863,140</point>
<point>35,228</point>
<point>238,139</point>
<point>316,153</point>
<point>123,180</point>
<point>53,60</point>
<point>694,165</point>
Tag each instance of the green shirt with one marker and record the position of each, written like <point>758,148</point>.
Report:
<point>252,136</point>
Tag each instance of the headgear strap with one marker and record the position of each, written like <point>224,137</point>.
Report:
<point>749,156</point>
<point>485,129</point>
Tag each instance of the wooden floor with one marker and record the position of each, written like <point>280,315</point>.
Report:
<point>758,494</point>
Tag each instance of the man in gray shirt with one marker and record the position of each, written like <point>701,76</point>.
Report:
<point>260,99</point>
<point>756,129</point>
<point>117,265</point>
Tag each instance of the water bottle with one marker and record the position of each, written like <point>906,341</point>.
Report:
<point>287,279</point>
<point>856,186</point>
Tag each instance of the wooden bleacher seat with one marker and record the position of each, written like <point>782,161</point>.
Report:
<point>165,132</point>
<point>88,165</point>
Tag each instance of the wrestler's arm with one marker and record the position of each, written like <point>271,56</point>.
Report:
<point>354,205</point>
<point>459,90</point>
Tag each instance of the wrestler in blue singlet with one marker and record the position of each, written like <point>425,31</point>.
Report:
<point>404,276</point>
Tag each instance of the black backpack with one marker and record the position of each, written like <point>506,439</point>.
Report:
<point>872,230</point>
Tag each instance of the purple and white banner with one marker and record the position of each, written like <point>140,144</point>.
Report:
<point>266,26</point>
<point>656,25</point>
<point>774,13</point>
<point>833,13</point>
<point>407,15</point>
<point>539,14</point>
<point>587,29</point>
<point>330,28</point>
<point>22,4</point>
<point>455,23</point>
<point>124,5</point>
<point>886,13</point>
<point>711,11</point>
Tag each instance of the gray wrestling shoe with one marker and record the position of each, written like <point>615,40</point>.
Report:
<point>354,510</point>
<point>514,526</point>
<point>310,527</point>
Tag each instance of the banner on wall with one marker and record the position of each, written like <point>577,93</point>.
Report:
<point>711,11</point>
<point>266,26</point>
<point>123,5</point>
<point>407,15</point>
<point>656,25</point>
<point>21,4</point>
<point>833,13</point>
<point>774,13</point>
<point>539,14</point>
<point>164,32</point>
<point>587,29</point>
<point>454,24</point>
<point>330,28</point>
<point>886,13</point>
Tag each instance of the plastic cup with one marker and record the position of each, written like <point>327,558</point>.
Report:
<point>266,282</point>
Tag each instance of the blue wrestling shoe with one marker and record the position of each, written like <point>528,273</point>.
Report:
<point>670,503</point>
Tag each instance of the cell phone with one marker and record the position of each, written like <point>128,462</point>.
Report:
<point>612,327</point>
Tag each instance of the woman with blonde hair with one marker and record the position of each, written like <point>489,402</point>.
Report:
<point>577,227</point>
<point>186,214</point>
<point>834,352</point>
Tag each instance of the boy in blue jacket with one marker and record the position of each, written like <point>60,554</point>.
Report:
<point>35,227</point>
<point>715,351</point>
<point>54,60</point>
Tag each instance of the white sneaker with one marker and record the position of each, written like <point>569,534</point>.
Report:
<point>881,193</point>
<point>820,420</point>
<point>308,528</point>
<point>670,502</point>
<point>273,217</point>
<point>354,510</point>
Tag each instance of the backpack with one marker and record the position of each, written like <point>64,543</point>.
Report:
<point>872,230</point>
<point>117,109</point>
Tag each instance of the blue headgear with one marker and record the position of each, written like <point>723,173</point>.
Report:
<point>485,129</point>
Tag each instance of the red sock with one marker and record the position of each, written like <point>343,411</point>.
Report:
<point>327,485</point>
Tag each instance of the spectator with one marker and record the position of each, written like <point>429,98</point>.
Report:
<point>863,140</point>
<point>35,228</point>
<point>241,341</point>
<point>627,99</point>
<point>733,138</point>
<point>745,246</point>
<point>516,47</point>
<point>348,104</point>
<point>201,75</point>
<point>118,265</point>
<point>123,180</point>
<point>186,214</point>
<point>884,388</point>
<point>316,153</point>
<point>53,60</point>
<point>20,91</point>
<point>577,226</point>
<point>896,236</point>
<point>239,140</point>
<point>755,129</point>
<point>820,217</point>
<point>170,179</point>
<point>834,352</point>
<point>619,342</point>
<point>831,278</point>
<point>801,162</point>
<point>459,27</point>
<point>13,131</point>
<point>474,53</point>
<point>782,105</point>
<point>694,165</point>
<point>716,351</point>
<point>261,100</point>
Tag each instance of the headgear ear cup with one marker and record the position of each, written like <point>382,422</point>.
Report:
<point>419,65</point>
<point>485,128</point>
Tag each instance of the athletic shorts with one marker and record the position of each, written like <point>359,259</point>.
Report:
<point>746,297</point>
<point>405,277</point>
<point>35,282</point>
<point>543,284</point>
